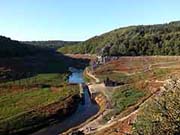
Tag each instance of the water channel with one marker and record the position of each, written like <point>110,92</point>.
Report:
<point>83,112</point>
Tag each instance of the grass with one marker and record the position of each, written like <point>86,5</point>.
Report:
<point>125,97</point>
<point>12,103</point>
<point>15,103</point>
<point>160,72</point>
<point>40,80</point>
<point>119,77</point>
<point>19,106</point>
<point>122,98</point>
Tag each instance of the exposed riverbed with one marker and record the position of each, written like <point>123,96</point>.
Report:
<point>83,112</point>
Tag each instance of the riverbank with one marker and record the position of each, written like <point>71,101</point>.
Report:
<point>100,99</point>
<point>84,111</point>
<point>97,123</point>
<point>36,102</point>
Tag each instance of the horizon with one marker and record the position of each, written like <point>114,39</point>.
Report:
<point>79,21</point>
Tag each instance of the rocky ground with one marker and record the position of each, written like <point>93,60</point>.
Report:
<point>154,82</point>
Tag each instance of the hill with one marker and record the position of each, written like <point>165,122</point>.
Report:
<point>161,39</point>
<point>51,44</point>
<point>12,48</point>
<point>19,60</point>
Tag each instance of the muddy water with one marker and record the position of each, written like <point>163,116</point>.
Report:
<point>83,112</point>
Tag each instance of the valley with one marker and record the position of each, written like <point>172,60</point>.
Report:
<point>122,82</point>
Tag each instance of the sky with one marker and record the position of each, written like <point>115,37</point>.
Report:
<point>78,20</point>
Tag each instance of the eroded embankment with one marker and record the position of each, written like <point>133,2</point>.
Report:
<point>101,101</point>
<point>98,98</point>
<point>30,121</point>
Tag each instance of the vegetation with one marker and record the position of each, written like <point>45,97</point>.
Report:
<point>12,69</point>
<point>34,91</point>
<point>15,55</point>
<point>18,102</point>
<point>44,61</point>
<point>30,103</point>
<point>74,49</point>
<point>161,116</point>
<point>10,48</point>
<point>40,81</point>
<point>132,41</point>
<point>55,44</point>
<point>122,98</point>
<point>125,97</point>
<point>137,79</point>
<point>118,77</point>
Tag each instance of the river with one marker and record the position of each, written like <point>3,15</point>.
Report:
<point>83,112</point>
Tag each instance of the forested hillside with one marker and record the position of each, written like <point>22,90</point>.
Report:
<point>20,60</point>
<point>161,39</point>
<point>51,44</point>
<point>10,48</point>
